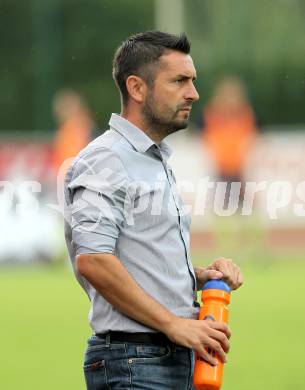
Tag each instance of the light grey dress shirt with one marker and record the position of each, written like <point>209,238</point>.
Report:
<point>121,198</point>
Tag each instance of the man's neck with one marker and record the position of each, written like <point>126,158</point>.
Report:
<point>151,131</point>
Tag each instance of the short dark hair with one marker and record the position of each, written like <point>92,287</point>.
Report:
<point>136,55</point>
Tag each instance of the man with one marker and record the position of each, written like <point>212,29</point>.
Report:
<point>128,235</point>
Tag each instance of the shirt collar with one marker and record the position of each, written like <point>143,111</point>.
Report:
<point>136,137</point>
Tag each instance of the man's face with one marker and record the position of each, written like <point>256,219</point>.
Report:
<point>168,102</point>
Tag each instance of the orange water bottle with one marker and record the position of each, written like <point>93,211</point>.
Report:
<point>215,297</point>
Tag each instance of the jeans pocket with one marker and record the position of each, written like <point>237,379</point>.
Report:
<point>94,366</point>
<point>95,374</point>
<point>150,354</point>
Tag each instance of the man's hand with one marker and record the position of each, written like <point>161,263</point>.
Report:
<point>200,336</point>
<point>106,273</point>
<point>223,269</point>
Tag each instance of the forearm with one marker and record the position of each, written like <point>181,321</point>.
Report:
<point>110,278</point>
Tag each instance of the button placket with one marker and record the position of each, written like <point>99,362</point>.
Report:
<point>173,188</point>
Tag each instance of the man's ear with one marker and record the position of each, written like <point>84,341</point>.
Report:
<point>137,88</point>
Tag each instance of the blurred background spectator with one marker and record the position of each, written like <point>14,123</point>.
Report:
<point>75,125</point>
<point>228,133</point>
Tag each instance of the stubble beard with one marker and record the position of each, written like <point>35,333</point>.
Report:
<point>164,124</point>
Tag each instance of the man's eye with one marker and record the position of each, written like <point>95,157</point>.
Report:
<point>179,81</point>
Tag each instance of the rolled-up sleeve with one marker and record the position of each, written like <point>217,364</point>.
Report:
<point>97,195</point>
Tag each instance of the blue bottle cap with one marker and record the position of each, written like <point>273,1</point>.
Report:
<point>217,285</point>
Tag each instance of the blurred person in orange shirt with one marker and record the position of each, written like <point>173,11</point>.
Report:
<point>75,126</point>
<point>229,130</point>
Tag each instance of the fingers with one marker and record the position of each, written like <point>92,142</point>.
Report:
<point>222,338</point>
<point>240,279</point>
<point>215,346</point>
<point>221,268</point>
<point>215,341</point>
<point>235,274</point>
<point>237,279</point>
<point>221,333</point>
<point>224,265</point>
<point>221,327</point>
<point>210,349</point>
<point>208,338</point>
<point>205,274</point>
<point>231,272</point>
<point>207,356</point>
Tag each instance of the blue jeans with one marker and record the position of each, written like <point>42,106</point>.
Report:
<point>131,366</point>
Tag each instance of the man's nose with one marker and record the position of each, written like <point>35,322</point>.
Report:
<point>192,94</point>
